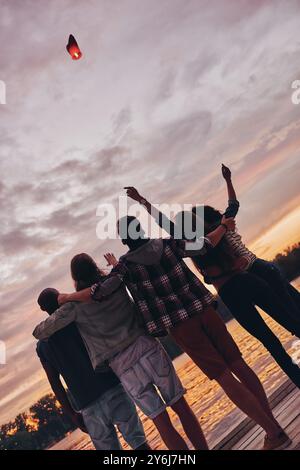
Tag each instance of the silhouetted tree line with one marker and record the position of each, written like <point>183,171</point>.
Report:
<point>289,261</point>
<point>45,424</point>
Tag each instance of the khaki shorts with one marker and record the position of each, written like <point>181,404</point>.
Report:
<point>148,376</point>
<point>206,340</point>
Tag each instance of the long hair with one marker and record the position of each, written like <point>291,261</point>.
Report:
<point>84,271</point>
<point>221,255</point>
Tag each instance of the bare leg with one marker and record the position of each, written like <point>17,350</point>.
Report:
<point>243,398</point>
<point>246,375</point>
<point>190,424</point>
<point>168,433</point>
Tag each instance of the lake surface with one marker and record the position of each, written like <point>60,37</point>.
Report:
<point>214,410</point>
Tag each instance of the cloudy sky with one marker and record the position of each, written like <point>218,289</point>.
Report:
<point>166,91</point>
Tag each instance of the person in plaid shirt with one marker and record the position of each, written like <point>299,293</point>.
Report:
<point>170,298</point>
<point>181,295</point>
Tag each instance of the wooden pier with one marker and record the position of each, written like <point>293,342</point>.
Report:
<point>246,435</point>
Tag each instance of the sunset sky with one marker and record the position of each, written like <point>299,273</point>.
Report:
<point>165,92</point>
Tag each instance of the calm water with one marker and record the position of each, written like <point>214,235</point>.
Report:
<point>214,410</point>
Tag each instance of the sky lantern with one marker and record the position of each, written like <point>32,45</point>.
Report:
<point>73,48</point>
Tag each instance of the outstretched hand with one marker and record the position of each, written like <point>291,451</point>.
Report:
<point>133,193</point>
<point>226,172</point>
<point>111,259</point>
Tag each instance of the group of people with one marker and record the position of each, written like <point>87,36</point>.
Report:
<point>104,341</point>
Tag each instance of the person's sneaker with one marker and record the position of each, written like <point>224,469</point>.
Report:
<point>277,443</point>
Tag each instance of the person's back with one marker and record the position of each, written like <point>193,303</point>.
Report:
<point>164,288</point>
<point>66,351</point>
<point>106,327</point>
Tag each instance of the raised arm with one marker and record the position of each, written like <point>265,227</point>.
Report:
<point>161,219</point>
<point>62,317</point>
<point>211,239</point>
<point>233,203</point>
<point>226,172</point>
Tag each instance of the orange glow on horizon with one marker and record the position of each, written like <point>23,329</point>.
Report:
<point>279,237</point>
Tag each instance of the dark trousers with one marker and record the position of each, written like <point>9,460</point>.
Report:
<point>241,294</point>
<point>271,274</point>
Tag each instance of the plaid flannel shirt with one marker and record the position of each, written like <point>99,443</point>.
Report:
<point>166,293</point>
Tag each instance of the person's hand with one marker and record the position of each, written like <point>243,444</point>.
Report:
<point>133,193</point>
<point>111,259</point>
<point>226,172</point>
<point>229,222</point>
<point>62,299</point>
<point>77,419</point>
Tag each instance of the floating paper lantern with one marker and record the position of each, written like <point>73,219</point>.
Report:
<point>73,48</point>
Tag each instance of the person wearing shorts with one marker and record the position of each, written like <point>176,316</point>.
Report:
<point>143,368</point>
<point>113,335</point>
<point>209,343</point>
